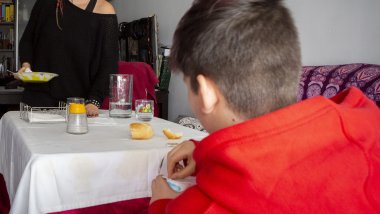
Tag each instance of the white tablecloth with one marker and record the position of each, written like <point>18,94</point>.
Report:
<point>49,170</point>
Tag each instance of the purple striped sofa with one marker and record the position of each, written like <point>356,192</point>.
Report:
<point>328,80</point>
<point>325,80</point>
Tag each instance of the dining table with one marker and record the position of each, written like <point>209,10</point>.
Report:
<point>49,170</point>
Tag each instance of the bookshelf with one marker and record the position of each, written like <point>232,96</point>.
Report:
<point>7,23</point>
<point>7,36</point>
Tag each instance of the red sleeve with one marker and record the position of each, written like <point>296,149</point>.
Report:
<point>190,201</point>
<point>159,206</point>
<point>196,143</point>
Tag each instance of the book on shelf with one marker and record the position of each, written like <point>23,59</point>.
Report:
<point>7,12</point>
<point>11,12</point>
<point>3,15</point>
<point>7,39</point>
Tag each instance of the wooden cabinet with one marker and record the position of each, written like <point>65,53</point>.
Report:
<point>10,99</point>
<point>163,103</point>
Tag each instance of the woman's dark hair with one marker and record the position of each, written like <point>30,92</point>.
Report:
<point>248,47</point>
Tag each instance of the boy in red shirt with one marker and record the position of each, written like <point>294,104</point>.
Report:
<point>265,152</point>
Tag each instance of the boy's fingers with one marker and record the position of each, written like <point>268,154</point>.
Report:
<point>182,152</point>
<point>174,154</point>
<point>172,161</point>
<point>183,173</point>
<point>170,168</point>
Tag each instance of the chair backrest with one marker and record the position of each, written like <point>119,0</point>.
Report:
<point>328,80</point>
<point>144,82</point>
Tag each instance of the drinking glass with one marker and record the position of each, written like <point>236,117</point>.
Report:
<point>144,109</point>
<point>121,92</point>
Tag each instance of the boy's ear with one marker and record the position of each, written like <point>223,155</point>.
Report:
<point>208,94</point>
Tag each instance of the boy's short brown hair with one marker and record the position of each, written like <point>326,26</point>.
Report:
<point>248,47</point>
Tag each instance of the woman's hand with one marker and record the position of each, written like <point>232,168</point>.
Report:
<point>182,152</point>
<point>161,190</point>
<point>92,110</point>
<point>24,66</point>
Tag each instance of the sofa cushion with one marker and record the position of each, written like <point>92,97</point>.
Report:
<point>190,122</point>
<point>328,80</point>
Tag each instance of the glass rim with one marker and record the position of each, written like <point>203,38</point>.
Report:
<point>74,100</point>
<point>144,100</point>
<point>121,75</point>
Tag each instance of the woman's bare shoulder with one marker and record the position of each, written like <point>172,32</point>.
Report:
<point>104,7</point>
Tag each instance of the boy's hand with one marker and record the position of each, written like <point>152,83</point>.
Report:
<point>182,152</point>
<point>161,190</point>
<point>92,110</point>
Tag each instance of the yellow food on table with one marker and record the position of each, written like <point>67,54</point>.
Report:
<point>141,131</point>
<point>170,135</point>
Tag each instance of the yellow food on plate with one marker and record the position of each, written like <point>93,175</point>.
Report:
<point>36,77</point>
<point>170,135</point>
<point>141,131</point>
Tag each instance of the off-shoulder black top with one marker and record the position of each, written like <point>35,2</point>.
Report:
<point>83,53</point>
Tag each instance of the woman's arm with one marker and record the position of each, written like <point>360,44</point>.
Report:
<point>108,61</point>
<point>109,58</point>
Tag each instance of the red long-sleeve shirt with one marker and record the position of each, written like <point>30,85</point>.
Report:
<point>316,156</point>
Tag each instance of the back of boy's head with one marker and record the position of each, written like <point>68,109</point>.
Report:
<point>248,47</point>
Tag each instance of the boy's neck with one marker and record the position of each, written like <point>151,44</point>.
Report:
<point>223,118</point>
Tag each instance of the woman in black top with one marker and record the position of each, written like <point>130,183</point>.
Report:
<point>77,39</point>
